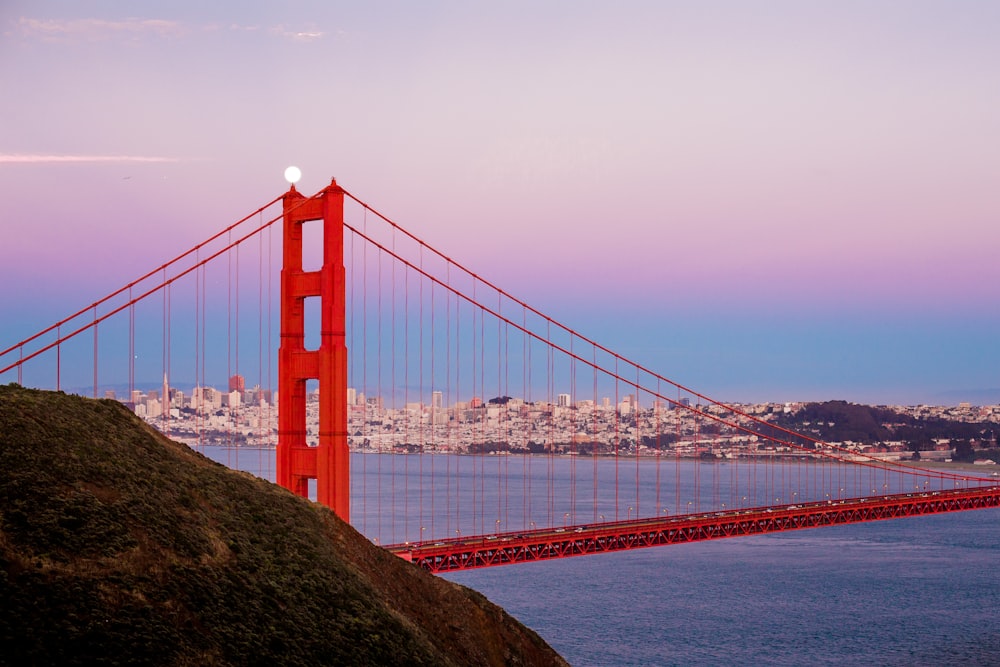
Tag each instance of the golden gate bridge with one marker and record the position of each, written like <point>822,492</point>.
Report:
<point>450,421</point>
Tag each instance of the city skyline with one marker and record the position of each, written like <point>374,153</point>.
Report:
<point>785,205</point>
<point>589,426</point>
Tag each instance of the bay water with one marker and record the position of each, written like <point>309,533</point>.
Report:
<point>917,591</point>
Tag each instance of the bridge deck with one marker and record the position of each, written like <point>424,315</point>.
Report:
<point>524,547</point>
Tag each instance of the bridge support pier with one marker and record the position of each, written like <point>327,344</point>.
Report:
<point>328,462</point>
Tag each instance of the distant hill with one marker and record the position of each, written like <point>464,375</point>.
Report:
<point>839,421</point>
<point>118,546</point>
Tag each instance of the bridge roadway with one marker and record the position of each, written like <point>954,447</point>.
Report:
<point>460,553</point>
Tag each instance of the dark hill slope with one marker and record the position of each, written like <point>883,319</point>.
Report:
<point>118,546</point>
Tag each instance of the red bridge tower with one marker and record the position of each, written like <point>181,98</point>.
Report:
<point>329,462</point>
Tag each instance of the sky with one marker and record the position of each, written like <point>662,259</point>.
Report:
<point>762,201</point>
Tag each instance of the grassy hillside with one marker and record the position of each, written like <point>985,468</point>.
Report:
<point>118,546</point>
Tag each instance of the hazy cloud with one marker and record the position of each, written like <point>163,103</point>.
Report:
<point>298,35</point>
<point>93,29</point>
<point>29,158</point>
<point>96,29</point>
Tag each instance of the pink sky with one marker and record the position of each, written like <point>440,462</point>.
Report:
<point>824,162</point>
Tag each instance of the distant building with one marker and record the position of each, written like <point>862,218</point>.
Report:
<point>237,383</point>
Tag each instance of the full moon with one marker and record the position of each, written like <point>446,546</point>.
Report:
<point>293,174</point>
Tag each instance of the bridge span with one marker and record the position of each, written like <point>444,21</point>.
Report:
<point>454,554</point>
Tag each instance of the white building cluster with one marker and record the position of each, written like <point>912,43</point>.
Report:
<point>501,425</point>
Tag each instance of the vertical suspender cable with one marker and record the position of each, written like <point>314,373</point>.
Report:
<point>197,401</point>
<point>526,394</point>
<point>482,420</point>
<point>697,463</point>
<point>500,421</point>
<point>170,340</point>
<point>572,433</point>
<point>677,454</point>
<point>163,354</point>
<point>507,427</point>
<point>270,323</point>
<point>236,355</point>
<point>638,439</point>
<point>131,347</point>
<point>378,394</point>
<point>550,444</point>
<point>733,481</point>
<point>419,432</point>
<point>406,412</point>
<point>594,434</point>
<point>617,434</point>
<point>474,413</point>
<point>260,352</point>
<point>351,408</point>
<point>229,346</point>
<point>431,417</point>
<point>453,502</point>
<point>392,393</point>
<point>95,350</point>
<point>363,390</point>
<point>659,444</point>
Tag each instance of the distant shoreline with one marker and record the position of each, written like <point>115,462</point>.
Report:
<point>953,465</point>
<point>985,470</point>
